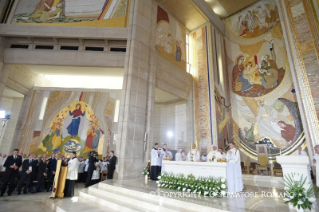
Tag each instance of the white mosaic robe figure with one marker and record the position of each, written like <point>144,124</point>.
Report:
<point>195,153</point>
<point>233,173</point>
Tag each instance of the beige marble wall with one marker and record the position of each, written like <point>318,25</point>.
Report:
<point>12,106</point>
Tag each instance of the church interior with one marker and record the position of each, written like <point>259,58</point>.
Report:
<point>184,105</point>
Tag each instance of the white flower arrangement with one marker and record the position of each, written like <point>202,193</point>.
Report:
<point>297,192</point>
<point>214,187</point>
<point>146,170</point>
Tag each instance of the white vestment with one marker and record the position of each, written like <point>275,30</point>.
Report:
<point>81,166</point>
<point>233,174</point>
<point>3,161</point>
<point>86,165</point>
<point>156,158</point>
<point>223,155</point>
<point>316,165</point>
<point>96,172</point>
<point>211,154</point>
<point>195,154</point>
<point>178,157</point>
<point>103,166</point>
<point>204,157</point>
<point>163,155</point>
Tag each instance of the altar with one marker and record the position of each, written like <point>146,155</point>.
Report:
<point>198,169</point>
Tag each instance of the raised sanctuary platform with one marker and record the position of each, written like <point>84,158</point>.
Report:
<point>141,195</point>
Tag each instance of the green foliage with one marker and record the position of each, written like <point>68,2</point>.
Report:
<point>298,192</point>
<point>146,170</point>
<point>207,186</point>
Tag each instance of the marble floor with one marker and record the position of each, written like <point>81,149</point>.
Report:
<point>255,198</point>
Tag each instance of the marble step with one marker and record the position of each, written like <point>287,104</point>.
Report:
<point>166,202</point>
<point>113,204</point>
<point>132,201</point>
<point>74,204</point>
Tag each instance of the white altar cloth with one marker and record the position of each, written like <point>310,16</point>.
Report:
<point>198,169</point>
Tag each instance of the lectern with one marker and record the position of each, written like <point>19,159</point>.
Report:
<point>295,164</point>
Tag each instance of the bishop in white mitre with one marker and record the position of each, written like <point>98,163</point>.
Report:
<point>213,155</point>
<point>193,154</point>
<point>233,172</point>
<point>156,161</point>
<point>316,164</point>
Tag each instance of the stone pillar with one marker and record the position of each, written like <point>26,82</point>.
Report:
<point>303,63</point>
<point>137,101</point>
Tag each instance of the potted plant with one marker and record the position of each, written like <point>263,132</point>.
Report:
<point>298,193</point>
<point>146,171</point>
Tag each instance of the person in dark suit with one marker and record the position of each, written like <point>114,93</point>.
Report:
<point>91,168</point>
<point>12,166</point>
<point>111,165</point>
<point>52,169</point>
<point>42,173</point>
<point>26,174</point>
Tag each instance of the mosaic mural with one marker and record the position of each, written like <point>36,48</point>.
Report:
<point>263,99</point>
<point>104,13</point>
<point>170,39</point>
<point>73,121</point>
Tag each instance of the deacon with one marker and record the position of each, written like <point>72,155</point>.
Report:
<point>316,163</point>
<point>26,175</point>
<point>233,171</point>
<point>12,164</point>
<point>213,155</point>
<point>193,154</point>
<point>72,176</point>
<point>155,162</point>
<point>111,165</point>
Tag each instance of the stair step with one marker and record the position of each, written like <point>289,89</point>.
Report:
<point>111,203</point>
<point>141,204</point>
<point>167,202</point>
<point>75,204</point>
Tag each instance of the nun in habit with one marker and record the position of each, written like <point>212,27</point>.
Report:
<point>233,172</point>
<point>155,162</point>
<point>72,176</point>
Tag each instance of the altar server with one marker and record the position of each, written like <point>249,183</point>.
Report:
<point>193,154</point>
<point>316,164</point>
<point>72,176</point>
<point>155,162</point>
<point>213,155</point>
<point>233,174</point>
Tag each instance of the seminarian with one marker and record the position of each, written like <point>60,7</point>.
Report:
<point>72,176</point>
<point>12,165</point>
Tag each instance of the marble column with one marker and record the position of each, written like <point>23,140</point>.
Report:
<point>137,101</point>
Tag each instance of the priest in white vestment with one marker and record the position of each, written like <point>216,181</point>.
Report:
<point>316,164</point>
<point>156,161</point>
<point>178,155</point>
<point>213,155</point>
<point>193,154</point>
<point>233,171</point>
<point>165,154</point>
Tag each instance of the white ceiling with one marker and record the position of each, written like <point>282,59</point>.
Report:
<point>76,71</point>
<point>163,96</point>
<point>8,92</point>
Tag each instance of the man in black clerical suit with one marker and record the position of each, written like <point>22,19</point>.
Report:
<point>111,165</point>
<point>26,174</point>
<point>42,173</point>
<point>12,165</point>
<point>91,168</point>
